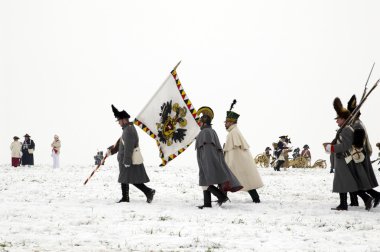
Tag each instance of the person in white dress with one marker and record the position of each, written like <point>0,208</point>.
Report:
<point>55,152</point>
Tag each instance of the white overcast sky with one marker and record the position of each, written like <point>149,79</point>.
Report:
<point>63,63</point>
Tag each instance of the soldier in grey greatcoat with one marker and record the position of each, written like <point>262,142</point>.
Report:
<point>129,173</point>
<point>358,127</point>
<point>349,176</point>
<point>212,166</point>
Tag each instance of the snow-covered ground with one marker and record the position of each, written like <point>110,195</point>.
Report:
<point>42,209</point>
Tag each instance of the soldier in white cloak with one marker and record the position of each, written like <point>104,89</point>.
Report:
<point>212,166</point>
<point>238,157</point>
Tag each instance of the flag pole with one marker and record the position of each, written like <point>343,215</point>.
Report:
<point>175,68</point>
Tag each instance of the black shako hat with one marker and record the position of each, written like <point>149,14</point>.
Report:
<point>120,114</point>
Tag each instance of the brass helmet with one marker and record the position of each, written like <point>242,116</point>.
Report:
<point>207,114</point>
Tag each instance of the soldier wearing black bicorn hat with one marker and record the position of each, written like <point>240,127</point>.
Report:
<point>130,171</point>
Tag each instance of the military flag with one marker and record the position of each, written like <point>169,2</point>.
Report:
<point>169,118</point>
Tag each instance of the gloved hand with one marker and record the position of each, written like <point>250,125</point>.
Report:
<point>327,147</point>
<point>126,166</point>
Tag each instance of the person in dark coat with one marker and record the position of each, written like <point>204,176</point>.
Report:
<point>28,147</point>
<point>306,154</point>
<point>358,127</point>
<point>349,176</point>
<point>267,153</point>
<point>280,152</point>
<point>130,172</point>
<point>212,166</point>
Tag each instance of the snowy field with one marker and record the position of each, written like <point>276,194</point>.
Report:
<point>42,209</point>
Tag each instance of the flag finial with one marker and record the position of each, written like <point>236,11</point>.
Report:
<point>177,65</point>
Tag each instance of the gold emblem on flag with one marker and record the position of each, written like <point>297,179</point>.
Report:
<point>172,123</point>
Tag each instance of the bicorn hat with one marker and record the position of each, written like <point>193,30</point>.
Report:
<point>378,145</point>
<point>267,148</point>
<point>26,135</point>
<point>306,146</point>
<point>231,115</point>
<point>207,114</point>
<point>351,105</point>
<point>16,138</point>
<point>341,112</point>
<point>120,114</point>
<point>282,136</point>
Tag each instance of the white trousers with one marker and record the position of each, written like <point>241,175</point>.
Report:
<point>55,160</point>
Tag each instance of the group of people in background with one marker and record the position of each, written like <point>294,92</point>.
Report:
<point>23,152</point>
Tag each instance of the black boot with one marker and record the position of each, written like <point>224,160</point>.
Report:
<point>343,203</point>
<point>278,165</point>
<point>218,193</point>
<point>368,200</point>
<point>220,187</point>
<point>354,199</point>
<point>149,193</point>
<point>206,200</point>
<point>376,195</point>
<point>125,193</point>
<point>254,195</point>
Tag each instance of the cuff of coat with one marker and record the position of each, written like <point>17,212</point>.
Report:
<point>329,148</point>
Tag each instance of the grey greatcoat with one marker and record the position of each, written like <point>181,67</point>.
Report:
<point>212,166</point>
<point>367,150</point>
<point>349,177</point>
<point>134,174</point>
